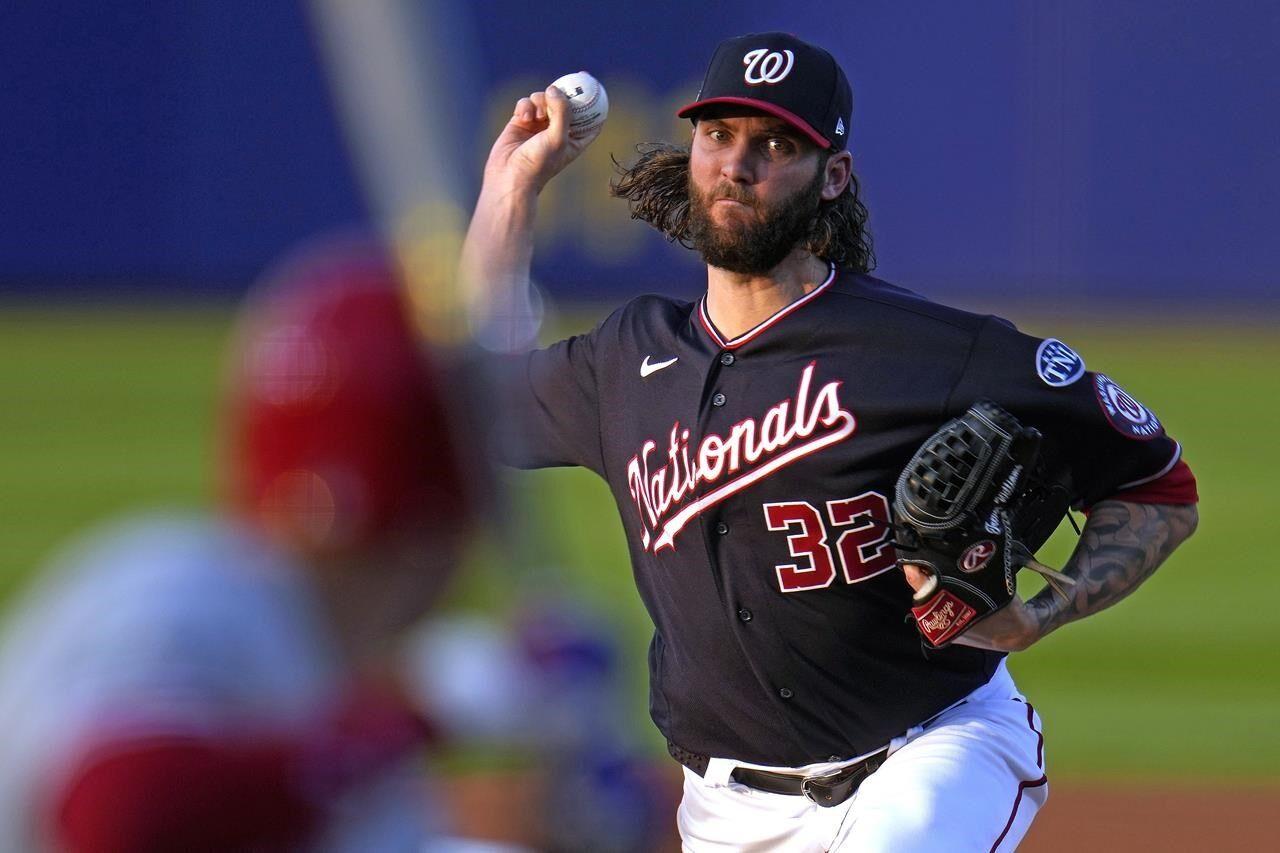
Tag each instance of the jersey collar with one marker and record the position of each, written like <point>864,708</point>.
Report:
<point>758,329</point>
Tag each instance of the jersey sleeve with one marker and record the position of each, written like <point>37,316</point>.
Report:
<point>554,417</point>
<point>1111,444</point>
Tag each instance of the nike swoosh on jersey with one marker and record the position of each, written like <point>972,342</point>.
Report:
<point>646,368</point>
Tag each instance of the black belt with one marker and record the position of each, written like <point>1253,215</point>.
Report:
<point>829,790</point>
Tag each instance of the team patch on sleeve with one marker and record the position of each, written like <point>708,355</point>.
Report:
<point>1058,364</point>
<point>1126,414</point>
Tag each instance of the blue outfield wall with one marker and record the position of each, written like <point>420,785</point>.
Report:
<point>1016,146</point>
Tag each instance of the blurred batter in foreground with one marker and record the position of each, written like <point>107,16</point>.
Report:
<point>214,683</point>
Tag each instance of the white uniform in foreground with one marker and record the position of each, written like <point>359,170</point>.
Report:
<point>167,628</point>
<point>225,683</point>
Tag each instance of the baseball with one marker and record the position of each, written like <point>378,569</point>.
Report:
<point>587,98</point>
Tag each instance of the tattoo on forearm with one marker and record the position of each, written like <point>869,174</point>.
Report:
<point>1121,546</point>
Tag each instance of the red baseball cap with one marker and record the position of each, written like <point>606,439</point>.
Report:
<point>339,424</point>
<point>783,76</point>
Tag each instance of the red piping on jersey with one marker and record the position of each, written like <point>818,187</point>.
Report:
<point>782,312</point>
<point>1177,486</point>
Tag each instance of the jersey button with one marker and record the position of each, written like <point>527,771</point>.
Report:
<point>744,614</point>
<point>726,359</point>
<point>722,528</point>
<point>786,693</point>
<point>719,400</point>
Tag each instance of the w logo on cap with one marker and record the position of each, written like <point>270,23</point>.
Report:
<point>767,66</point>
<point>780,75</point>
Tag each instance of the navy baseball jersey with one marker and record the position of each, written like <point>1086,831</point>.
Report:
<point>754,478</point>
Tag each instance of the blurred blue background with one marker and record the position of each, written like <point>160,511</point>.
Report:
<point>1067,151</point>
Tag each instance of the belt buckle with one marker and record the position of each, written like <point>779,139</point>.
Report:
<point>818,793</point>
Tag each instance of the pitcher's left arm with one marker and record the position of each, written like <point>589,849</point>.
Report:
<point>1122,545</point>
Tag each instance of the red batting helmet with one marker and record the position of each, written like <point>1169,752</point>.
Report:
<point>339,424</point>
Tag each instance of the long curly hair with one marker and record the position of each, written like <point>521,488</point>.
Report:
<point>656,188</point>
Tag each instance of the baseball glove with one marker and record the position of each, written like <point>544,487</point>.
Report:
<point>971,508</point>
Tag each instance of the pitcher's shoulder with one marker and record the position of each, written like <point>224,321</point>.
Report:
<point>859,290</point>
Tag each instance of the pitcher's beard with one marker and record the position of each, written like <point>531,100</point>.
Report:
<point>756,246</point>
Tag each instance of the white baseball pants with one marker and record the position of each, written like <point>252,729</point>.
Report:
<point>971,780</point>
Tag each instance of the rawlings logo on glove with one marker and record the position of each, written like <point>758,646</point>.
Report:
<point>970,509</point>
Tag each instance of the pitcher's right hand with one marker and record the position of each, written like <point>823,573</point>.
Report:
<point>535,146</point>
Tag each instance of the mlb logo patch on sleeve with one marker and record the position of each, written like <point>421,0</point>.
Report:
<point>1058,364</point>
<point>1126,414</point>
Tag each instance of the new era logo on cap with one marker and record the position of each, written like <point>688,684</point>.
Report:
<point>783,76</point>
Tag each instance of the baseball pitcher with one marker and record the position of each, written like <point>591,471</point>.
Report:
<point>828,483</point>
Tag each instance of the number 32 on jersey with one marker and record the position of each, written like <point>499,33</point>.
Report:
<point>862,532</point>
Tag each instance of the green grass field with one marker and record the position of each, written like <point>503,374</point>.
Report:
<point>108,411</point>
